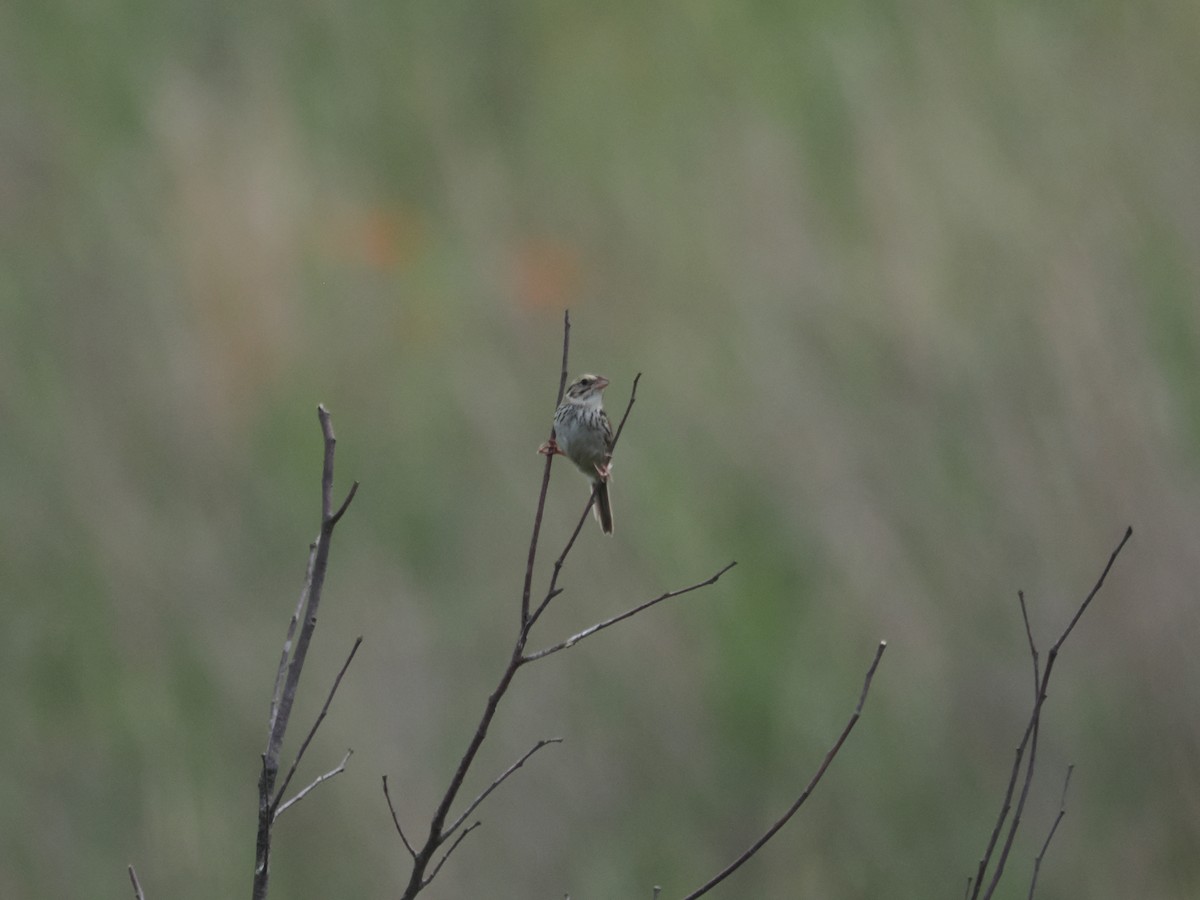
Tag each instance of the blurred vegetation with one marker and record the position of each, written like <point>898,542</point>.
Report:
<point>914,289</point>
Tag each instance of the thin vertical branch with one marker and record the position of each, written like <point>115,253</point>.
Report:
<point>281,674</point>
<point>282,701</point>
<point>541,504</point>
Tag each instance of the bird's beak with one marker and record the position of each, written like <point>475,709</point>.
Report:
<point>601,382</point>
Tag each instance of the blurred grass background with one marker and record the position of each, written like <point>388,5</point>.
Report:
<point>914,291</point>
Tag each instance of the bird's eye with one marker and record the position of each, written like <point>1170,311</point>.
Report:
<point>585,381</point>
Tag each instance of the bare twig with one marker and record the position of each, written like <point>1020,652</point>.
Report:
<point>396,820</point>
<point>629,406</point>
<point>137,888</point>
<point>783,820</point>
<point>1062,811</point>
<point>600,626</point>
<point>287,641</point>
<point>337,770</point>
<point>437,835</point>
<point>283,700</point>
<point>1091,595</point>
<point>312,731</point>
<point>1033,653</point>
<point>458,840</point>
<point>1005,807</point>
<point>1030,739</point>
<point>341,510</point>
<point>553,590</point>
<point>497,782</point>
<point>541,504</point>
<point>1019,809</point>
<point>440,832</point>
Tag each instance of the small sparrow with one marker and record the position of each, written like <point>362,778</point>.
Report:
<point>583,434</point>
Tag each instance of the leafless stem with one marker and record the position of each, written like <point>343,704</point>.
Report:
<point>283,700</point>
<point>1091,594</point>
<point>541,504</point>
<point>137,888</point>
<point>440,832</point>
<point>783,820</point>
<point>1062,811</point>
<point>277,693</point>
<point>1019,809</point>
<point>338,770</point>
<point>554,590</point>
<point>396,820</point>
<point>497,782</point>
<point>458,840</point>
<point>600,626</point>
<point>312,731</point>
<point>628,407</point>
<point>1030,739</point>
<point>437,834</point>
<point>1033,654</point>
<point>1005,807</point>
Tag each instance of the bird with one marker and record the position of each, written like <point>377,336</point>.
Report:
<point>584,435</point>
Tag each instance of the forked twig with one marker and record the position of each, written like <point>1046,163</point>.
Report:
<point>303,792</point>
<point>600,626</point>
<point>441,862</point>
<point>281,674</point>
<point>437,835</point>
<point>284,695</point>
<point>498,781</point>
<point>783,820</point>
<point>541,504</point>
<point>1062,811</point>
<point>1030,739</point>
<point>439,831</point>
<point>311,733</point>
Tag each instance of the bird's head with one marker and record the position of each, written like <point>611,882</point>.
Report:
<point>588,390</point>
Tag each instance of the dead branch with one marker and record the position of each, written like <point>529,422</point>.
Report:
<point>440,832</point>
<point>1029,740</point>
<point>284,695</point>
<point>804,795</point>
<point>137,888</point>
<point>600,626</point>
<point>1062,811</point>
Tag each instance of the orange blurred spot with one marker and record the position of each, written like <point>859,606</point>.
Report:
<point>547,273</point>
<point>379,238</point>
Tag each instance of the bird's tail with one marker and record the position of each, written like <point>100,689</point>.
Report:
<point>603,508</point>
